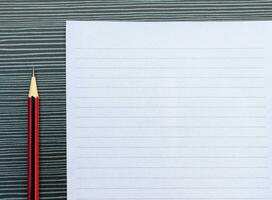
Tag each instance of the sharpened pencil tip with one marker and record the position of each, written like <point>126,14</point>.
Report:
<point>33,90</point>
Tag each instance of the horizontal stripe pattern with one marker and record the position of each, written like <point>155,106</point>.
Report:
<point>32,34</point>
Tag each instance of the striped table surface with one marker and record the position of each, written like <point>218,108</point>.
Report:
<point>32,33</point>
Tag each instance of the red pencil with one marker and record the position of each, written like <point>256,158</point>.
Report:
<point>33,140</point>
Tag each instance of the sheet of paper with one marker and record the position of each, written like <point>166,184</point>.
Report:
<point>169,111</point>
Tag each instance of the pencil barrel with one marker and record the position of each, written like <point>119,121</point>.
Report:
<point>33,148</point>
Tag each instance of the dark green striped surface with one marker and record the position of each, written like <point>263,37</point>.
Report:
<point>32,33</point>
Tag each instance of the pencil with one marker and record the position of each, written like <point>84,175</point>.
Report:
<point>33,140</point>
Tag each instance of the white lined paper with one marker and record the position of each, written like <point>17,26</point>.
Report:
<point>168,110</point>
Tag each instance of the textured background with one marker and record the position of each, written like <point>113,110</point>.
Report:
<point>32,33</point>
